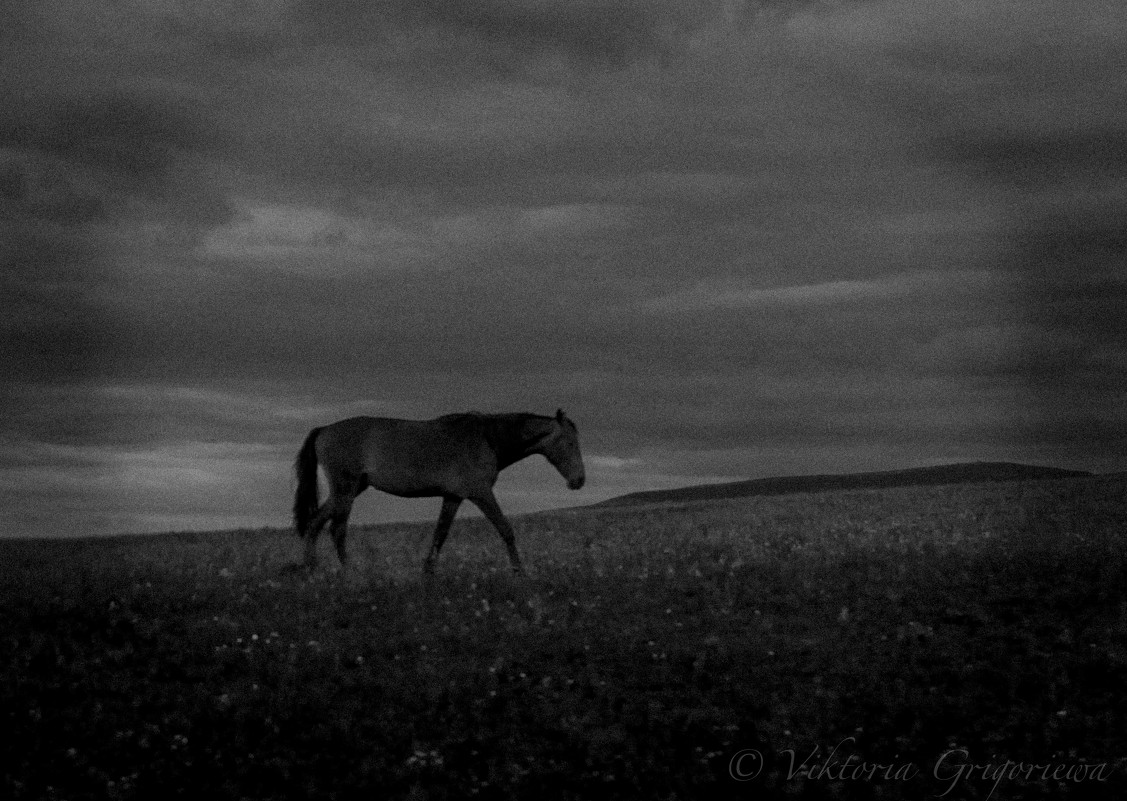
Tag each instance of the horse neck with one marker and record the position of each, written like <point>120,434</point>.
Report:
<point>515,437</point>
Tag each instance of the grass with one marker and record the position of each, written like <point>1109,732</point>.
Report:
<point>917,630</point>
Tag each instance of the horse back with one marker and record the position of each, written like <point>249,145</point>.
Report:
<point>413,458</point>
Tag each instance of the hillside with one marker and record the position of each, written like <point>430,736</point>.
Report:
<point>964,473</point>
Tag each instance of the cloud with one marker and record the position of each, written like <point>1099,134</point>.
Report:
<point>710,295</point>
<point>498,34</point>
<point>730,238</point>
<point>311,240</point>
<point>1036,158</point>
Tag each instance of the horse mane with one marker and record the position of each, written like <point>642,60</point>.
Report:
<point>512,435</point>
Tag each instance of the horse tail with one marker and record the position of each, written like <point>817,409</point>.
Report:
<point>305,498</point>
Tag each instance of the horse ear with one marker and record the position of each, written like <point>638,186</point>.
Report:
<point>560,415</point>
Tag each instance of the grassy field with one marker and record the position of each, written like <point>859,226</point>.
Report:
<point>960,641</point>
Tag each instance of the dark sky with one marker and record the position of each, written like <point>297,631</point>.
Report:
<point>731,239</point>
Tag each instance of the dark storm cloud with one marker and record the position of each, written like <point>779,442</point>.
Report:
<point>1054,152</point>
<point>1076,279</point>
<point>506,37</point>
<point>121,134</point>
<point>81,173</point>
<point>595,30</point>
<point>1074,291</point>
<point>113,155</point>
<point>1033,158</point>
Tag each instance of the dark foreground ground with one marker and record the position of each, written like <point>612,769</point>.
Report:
<point>967,642</point>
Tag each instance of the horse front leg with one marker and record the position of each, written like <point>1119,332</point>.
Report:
<point>450,504</point>
<point>488,505</point>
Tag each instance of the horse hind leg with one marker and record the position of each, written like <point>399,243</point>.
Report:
<point>339,532</point>
<point>313,530</point>
<point>450,505</point>
<point>335,511</point>
<point>344,494</point>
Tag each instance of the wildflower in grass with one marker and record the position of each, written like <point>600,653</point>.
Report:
<point>425,759</point>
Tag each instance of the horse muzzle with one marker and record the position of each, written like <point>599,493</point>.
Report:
<point>576,483</point>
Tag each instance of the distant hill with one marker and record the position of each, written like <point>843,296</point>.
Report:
<point>973,472</point>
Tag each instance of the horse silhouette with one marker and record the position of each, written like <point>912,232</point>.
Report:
<point>457,457</point>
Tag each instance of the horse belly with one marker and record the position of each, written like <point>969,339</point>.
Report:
<point>414,468</point>
<point>406,483</point>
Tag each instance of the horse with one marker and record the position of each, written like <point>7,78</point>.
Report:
<point>456,456</point>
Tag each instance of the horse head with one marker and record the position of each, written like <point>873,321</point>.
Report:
<point>561,449</point>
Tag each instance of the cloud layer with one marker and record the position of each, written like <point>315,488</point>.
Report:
<point>732,239</point>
